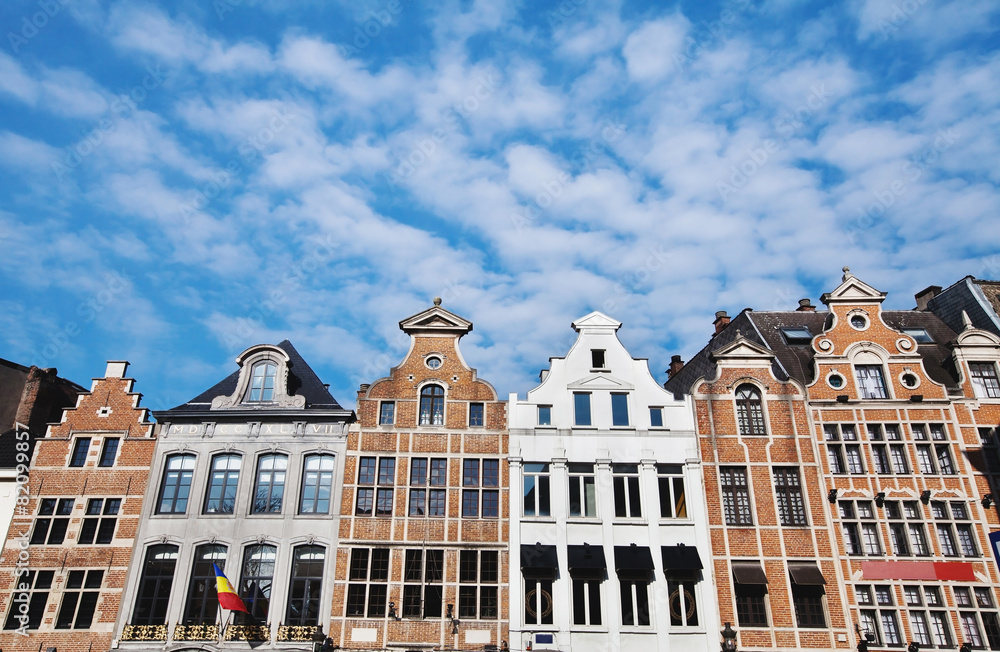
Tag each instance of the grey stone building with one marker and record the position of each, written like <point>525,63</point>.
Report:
<point>246,476</point>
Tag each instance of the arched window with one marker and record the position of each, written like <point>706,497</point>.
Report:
<point>154,587</point>
<point>262,378</point>
<point>202,606</point>
<point>255,582</point>
<point>432,405</point>
<point>176,485</point>
<point>306,586</point>
<point>749,412</point>
<point>221,496</point>
<point>270,484</point>
<point>317,484</point>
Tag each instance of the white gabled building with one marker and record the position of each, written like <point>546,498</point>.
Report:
<point>609,522</point>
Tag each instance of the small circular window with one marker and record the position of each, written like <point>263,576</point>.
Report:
<point>909,380</point>
<point>836,381</point>
<point>860,322</point>
<point>433,362</point>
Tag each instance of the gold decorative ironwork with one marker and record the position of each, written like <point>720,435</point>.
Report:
<point>144,633</point>
<point>196,633</point>
<point>299,633</point>
<point>248,633</point>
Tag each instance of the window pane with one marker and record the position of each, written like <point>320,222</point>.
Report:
<point>619,409</point>
<point>581,404</point>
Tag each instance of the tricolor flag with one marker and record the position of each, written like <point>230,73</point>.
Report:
<point>228,599</point>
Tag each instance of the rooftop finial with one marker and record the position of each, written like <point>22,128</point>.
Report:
<point>966,322</point>
<point>437,301</point>
<point>847,273</point>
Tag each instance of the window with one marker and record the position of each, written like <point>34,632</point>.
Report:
<point>202,604</point>
<point>880,627</point>
<point>681,601</point>
<point>635,602</point>
<point>536,489</point>
<point>270,491</point>
<point>597,358</point>
<point>861,533</point>
<point>157,579</point>
<point>891,458</point>
<point>306,586</point>
<point>176,485</point>
<point>976,623</point>
<point>586,600</point>
<point>372,500</point>
<point>109,451</point>
<point>423,573</point>
<point>871,383</point>
<point>625,478</point>
<point>478,576</point>
<point>750,588</point>
<point>49,530</point>
<point>99,530</point>
<point>906,528</point>
<point>991,453</point>
<point>796,334</point>
<point>673,503</point>
<point>537,601</point>
<point>920,335</point>
<point>368,587</point>
<point>955,532</point>
<point>387,413</point>
<point>749,411</point>
<point>984,379</point>
<point>80,449</point>
<point>929,628</point>
<point>490,496</point>
<point>317,484</point>
<point>582,490</point>
<point>581,407</point>
<point>807,595</point>
<point>432,405</point>
<point>837,453</point>
<point>221,496</point>
<point>788,491</point>
<point>430,502</point>
<point>545,415</point>
<point>255,582</point>
<point>656,417</point>
<point>262,378</point>
<point>33,591</point>
<point>476,411</point>
<point>619,409</point>
<point>735,495</point>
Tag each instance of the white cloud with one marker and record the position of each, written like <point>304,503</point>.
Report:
<point>653,51</point>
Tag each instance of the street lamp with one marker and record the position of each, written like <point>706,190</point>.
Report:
<point>728,639</point>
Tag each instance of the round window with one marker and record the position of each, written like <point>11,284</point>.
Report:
<point>836,381</point>
<point>909,380</point>
<point>859,322</point>
<point>433,362</point>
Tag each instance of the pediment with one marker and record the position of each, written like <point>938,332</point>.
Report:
<point>742,349</point>
<point>596,320</point>
<point>975,337</point>
<point>852,289</point>
<point>602,382</point>
<point>435,320</point>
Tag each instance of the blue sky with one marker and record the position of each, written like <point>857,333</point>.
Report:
<point>179,181</point>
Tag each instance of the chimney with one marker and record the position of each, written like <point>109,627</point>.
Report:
<point>721,321</point>
<point>116,369</point>
<point>924,296</point>
<point>805,305</point>
<point>676,364</point>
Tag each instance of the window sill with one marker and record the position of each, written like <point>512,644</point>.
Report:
<point>630,521</point>
<point>546,426</point>
<point>623,428</point>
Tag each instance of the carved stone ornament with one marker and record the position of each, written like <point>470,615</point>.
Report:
<point>261,539</point>
<point>247,360</point>
<point>311,539</point>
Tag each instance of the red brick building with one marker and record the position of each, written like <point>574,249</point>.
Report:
<point>892,499</point>
<point>423,559</point>
<point>67,553</point>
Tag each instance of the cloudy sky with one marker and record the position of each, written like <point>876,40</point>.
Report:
<point>181,180</point>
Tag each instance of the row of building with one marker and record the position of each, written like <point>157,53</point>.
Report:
<point>818,479</point>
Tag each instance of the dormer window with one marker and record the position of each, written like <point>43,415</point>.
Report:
<point>871,382</point>
<point>262,380</point>
<point>597,358</point>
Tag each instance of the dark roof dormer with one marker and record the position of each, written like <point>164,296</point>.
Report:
<point>262,381</point>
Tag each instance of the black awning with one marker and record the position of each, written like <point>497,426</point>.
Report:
<point>633,559</point>
<point>678,558</point>
<point>749,572</point>
<point>538,558</point>
<point>587,558</point>
<point>806,574</point>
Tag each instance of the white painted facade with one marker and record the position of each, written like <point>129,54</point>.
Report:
<point>564,449</point>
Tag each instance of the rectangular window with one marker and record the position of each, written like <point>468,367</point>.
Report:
<point>423,573</point>
<point>656,417</point>
<point>880,456</point>
<point>387,413</point>
<point>176,486</point>
<point>955,533</point>
<point>99,530</point>
<point>808,602</point>
<point>597,358</point>
<point>545,415</point>
<point>625,479</point>
<point>32,591</point>
<point>478,578</point>
<point>536,490</point>
<point>306,586</point>
<point>371,500</point>
<point>854,464</point>
<point>154,585</point>
<point>861,533</point>
<point>582,490</point>
<point>270,490</point>
<point>925,459</point>
<point>538,605</point>
<point>367,589</point>
<point>79,602</point>
<point>984,379</point>
<point>220,498</point>
<point>681,598</point>
<point>619,410</point>
<point>735,495</point>
<point>751,604</point>
<point>871,383</point>
<point>109,451</point>
<point>50,528</point>
<point>945,463</point>
<point>673,502</point>
<point>581,404</point>
<point>586,601</point>
<point>476,411</point>
<point>788,491</point>
<point>80,449</point>
<point>635,602</point>
<point>489,493</point>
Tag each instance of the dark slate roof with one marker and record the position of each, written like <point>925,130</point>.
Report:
<point>302,381</point>
<point>796,360</point>
<point>950,302</point>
